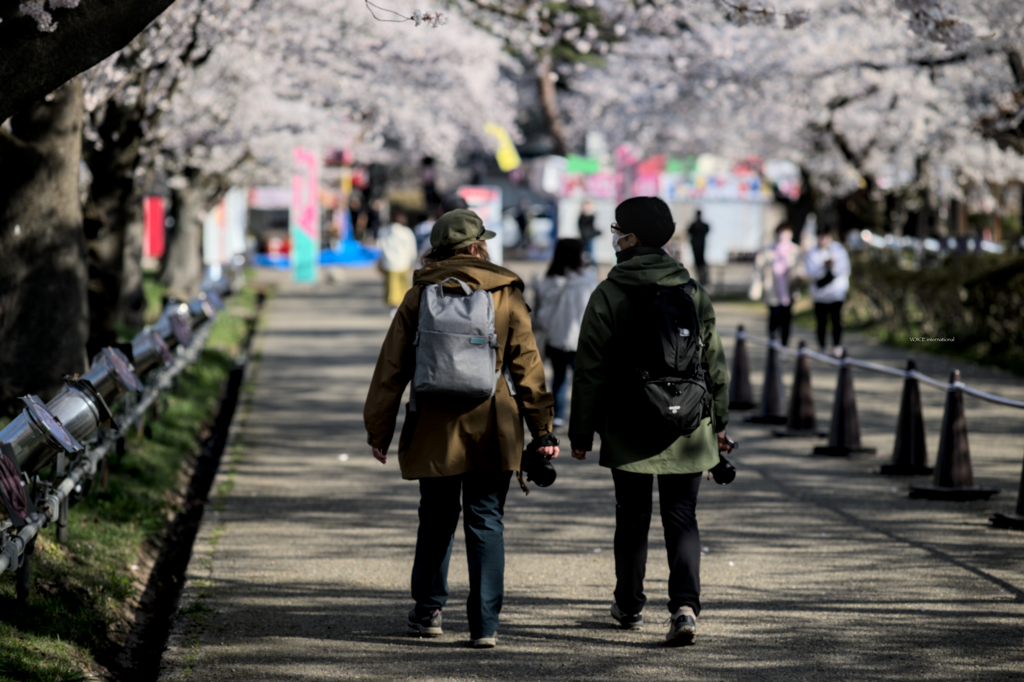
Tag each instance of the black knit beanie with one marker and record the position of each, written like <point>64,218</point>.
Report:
<point>649,218</point>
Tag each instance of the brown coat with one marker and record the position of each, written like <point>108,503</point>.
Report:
<point>442,439</point>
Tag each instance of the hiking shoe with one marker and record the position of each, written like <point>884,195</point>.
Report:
<point>485,642</point>
<point>683,629</point>
<point>627,622</point>
<point>425,626</point>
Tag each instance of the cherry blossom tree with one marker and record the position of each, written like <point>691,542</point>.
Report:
<point>891,111</point>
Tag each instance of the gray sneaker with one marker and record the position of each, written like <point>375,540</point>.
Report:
<point>485,642</point>
<point>683,629</point>
<point>425,626</point>
<point>627,622</point>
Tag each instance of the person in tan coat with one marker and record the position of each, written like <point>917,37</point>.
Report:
<point>456,449</point>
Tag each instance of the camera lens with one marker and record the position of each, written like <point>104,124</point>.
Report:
<point>724,472</point>
<point>538,469</point>
<point>543,474</point>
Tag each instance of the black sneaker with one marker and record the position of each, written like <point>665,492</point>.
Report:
<point>626,622</point>
<point>683,629</point>
<point>425,626</point>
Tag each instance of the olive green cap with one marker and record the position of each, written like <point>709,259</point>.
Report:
<point>458,229</point>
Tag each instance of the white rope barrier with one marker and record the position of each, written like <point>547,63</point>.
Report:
<point>875,367</point>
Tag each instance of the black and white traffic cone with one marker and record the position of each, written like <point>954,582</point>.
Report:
<point>909,454</point>
<point>773,396</point>
<point>801,420</point>
<point>1012,521</point>
<point>954,478</point>
<point>741,397</point>
<point>844,433</point>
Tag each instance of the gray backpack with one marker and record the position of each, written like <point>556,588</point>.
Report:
<point>456,347</point>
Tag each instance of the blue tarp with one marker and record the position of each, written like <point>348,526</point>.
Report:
<point>349,254</point>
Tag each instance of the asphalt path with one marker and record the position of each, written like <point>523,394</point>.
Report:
<point>814,568</point>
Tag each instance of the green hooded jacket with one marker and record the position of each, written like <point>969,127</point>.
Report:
<point>599,380</point>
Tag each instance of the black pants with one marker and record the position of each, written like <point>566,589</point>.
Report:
<point>702,267</point>
<point>678,496</point>
<point>823,311</point>
<point>779,317</point>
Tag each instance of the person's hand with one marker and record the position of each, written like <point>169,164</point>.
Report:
<point>724,443</point>
<point>579,454</point>
<point>549,451</point>
<point>380,455</point>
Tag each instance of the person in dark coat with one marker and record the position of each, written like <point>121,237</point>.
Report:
<point>698,231</point>
<point>606,346</point>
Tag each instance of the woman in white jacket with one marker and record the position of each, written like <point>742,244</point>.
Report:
<point>828,269</point>
<point>562,298</point>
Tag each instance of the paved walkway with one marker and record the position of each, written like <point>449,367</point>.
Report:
<point>815,568</point>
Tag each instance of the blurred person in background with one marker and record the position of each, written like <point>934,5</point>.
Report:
<point>562,298</point>
<point>698,231</point>
<point>776,271</point>
<point>587,229</point>
<point>828,269</point>
<point>398,255</point>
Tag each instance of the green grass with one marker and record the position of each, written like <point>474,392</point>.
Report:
<point>80,592</point>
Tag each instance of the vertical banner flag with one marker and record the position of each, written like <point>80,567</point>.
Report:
<point>214,233</point>
<point>154,230</point>
<point>224,229</point>
<point>304,217</point>
<point>506,155</point>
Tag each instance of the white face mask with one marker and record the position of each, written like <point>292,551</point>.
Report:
<point>615,242</point>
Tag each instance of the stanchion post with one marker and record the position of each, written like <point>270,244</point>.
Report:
<point>909,453</point>
<point>773,395</point>
<point>801,420</point>
<point>1013,521</point>
<point>954,478</point>
<point>741,396</point>
<point>844,432</point>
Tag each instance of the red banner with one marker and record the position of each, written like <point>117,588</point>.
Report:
<point>153,238</point>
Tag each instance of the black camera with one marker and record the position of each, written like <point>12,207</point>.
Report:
<point>724,472</point>
<point>537,467</point>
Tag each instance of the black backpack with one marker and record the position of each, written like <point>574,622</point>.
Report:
<point>669,377</point>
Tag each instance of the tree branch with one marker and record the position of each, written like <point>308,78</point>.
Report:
<point>33,64</point>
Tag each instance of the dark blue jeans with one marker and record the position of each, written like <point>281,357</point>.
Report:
<point>633,497</point>
<point>561,361</point>
<point>483,494</point>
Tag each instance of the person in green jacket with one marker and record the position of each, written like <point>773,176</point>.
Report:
<point>643,225</point>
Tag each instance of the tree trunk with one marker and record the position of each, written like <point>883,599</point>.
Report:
<point>133,300</point>
<point>43,278</point>
<point>549,105</point>
<point>108,212</point>
<point>183,267</point>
